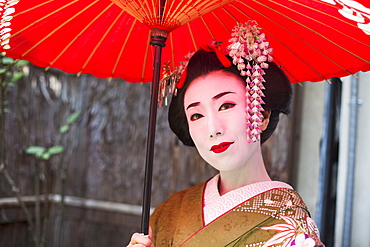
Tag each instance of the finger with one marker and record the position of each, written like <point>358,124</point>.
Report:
<point>138,239</point>
<point>150,233</point>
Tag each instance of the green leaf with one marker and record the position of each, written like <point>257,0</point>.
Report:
<point>64,128</point>
<point>8,73</point>
<point>7,60</point>
<point>17,76</point>
<point>5,110</point>
<point>5,102</point>
<point>36,150</point>
<point>21,63</point>
<point>55,150</point>
<point>45,156</point>
<point>73,117</point>
<point>2,70</point>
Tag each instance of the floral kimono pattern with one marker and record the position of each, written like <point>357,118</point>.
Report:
<point>276,217</point>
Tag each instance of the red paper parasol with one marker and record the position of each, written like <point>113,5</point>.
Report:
<point>313,39</point>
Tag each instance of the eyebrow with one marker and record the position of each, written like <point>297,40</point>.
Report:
<point>214,97</point>
<point>222,94</point>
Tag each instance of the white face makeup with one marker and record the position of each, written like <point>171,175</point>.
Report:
<point>215,107</point>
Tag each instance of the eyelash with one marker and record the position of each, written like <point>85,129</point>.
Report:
<point>195,116</point>
<point>229,105</point>
<point>224,106</point>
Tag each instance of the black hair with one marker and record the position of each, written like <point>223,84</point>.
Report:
<point>278,93</point>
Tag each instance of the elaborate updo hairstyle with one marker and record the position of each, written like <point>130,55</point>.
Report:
<point>278,93</point>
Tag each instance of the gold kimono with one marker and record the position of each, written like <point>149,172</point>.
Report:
<point>277,217</point>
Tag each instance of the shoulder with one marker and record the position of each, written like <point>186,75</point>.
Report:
<point>288,215</point>
<point>275,202</point>
<point>173,214</point>
<point>176,201</point>
<point>286,201</point>
<point>284,197</point>
<point>275,198</point>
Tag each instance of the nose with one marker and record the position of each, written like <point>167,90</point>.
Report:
<point>215,127</point>
<point>212,135</point>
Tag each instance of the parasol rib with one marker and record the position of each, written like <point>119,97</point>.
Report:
<point>172,51</point>
<point>100,41</point>
<point>221,22</point>
<point>209,30</point>
<point>319,34</point>
<point>284,44</point>
<point>189,9</point>
<point>35,7</point>
<point>324,24</point>
<point>139,11</point>
<point>167,11</point>
<point>176,12</point>
<point>186,11</point>
<point>77,36</point>
<point>145,57</point>
<point>146,11</point>
<point>319,52</point>
<point>160,12</point>
<point>123,47</point>
<point>192,36</point>
<point>153,7</point>
<point>231,15</point>
<point>57,29</point>
<point>39,20</point>
<point>163,13</point>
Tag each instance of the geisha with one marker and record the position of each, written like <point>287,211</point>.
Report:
<point>227,106</point>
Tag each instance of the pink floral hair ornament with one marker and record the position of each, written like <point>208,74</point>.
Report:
<point>249,43</point>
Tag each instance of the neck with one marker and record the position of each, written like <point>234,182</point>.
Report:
<point>252,173</point>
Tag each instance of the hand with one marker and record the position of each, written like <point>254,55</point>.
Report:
<point>140,240</point>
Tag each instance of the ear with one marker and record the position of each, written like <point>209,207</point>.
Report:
<point>266,119</point>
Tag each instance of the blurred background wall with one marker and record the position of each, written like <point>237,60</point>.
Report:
<point>349,224</point>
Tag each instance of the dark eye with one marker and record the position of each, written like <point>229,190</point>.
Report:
<point>226,106</point>
<point>196,116</point>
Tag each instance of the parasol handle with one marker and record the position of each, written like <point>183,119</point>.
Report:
<point>158,42</point>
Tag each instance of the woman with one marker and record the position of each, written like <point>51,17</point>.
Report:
<point>240,206</point>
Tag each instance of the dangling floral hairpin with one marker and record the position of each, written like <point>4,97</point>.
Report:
<point>171,79</point>
<point>249,43</point>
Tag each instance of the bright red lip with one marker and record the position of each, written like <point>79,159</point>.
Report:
<point>222,147</point>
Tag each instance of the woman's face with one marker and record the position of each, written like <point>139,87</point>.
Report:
<point>215,108</point>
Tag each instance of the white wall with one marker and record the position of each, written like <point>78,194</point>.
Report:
<point>309,162</point>
<point>311,132</point>
<point>361,202</point>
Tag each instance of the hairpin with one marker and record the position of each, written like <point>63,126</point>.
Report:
<point>171,79</point>
<point>249,43</point>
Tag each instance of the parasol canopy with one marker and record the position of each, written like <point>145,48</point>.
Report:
<point>312,39</point>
